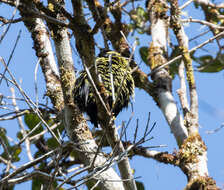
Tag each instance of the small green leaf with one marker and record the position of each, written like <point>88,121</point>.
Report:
<point>19,135</point>
<point>4,137</point>
<point>209,64</point>
<point>15,152</point>
<point>139,17</point>
<point>12,151</point>
<point>144,54</point>
<point>73,155</point>
<point>36,184</point>
<point>32,120</point>
<point>140,11</point>
<point>140,185</point>
<point>52,143</point>
<point>90,184</point>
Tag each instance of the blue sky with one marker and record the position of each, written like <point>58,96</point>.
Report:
<point>153,174</point>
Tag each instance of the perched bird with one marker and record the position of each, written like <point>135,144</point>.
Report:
<point>114,72</point>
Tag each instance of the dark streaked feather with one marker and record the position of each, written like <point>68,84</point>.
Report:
<point>118,67</point>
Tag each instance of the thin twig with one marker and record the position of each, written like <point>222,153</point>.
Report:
<point>186,4</point>
<point>203,22</point>
<point>96,184</point>
<point>98,149</point>
<point>30,132</point>
<point>111,78</point>
<point>13,14</point>
<point>8,21</point>
<point>199,35</point>
<point>11,55</point>
<point>33,175</point>
<point>215,130</point>
<point>136,131</point>
<point>35,82</point>
<point>182,91</point>
<point>95,88</point>
<point>17,114</point>
<point>75,174</point>
<point>54,126</point>
<point>7,162</point>
<point>56,165</point>
<point>147,126</point>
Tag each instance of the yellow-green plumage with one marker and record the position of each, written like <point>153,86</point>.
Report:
<point>107,64</point>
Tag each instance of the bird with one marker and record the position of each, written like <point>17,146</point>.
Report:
<point>114,73</point>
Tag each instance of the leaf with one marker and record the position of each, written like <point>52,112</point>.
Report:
<point>139,17</point>
<point>39,183</point>
<point>73,154</point>
<point>4,137</point>
<point>15,152</point>
<point>52,143</point>
<point>140,185</point>
<point>31,121</point>
<point>210,65</point>
<point>90,184</point>
<point>36,184</point>
<point>144,54</point>
<point>19,135</point>
<point>140,11</point>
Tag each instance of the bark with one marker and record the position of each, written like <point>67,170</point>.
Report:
<point>44,52</point>
<point>161,78</point>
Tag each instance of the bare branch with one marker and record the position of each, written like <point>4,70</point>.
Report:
<point>29,176</point>
<point>17,114</point>
<point>11,55</point>
<point>203,22</point>
<point>7,29</point>
<point>192,117</point>
<point>186,4</point>
<point>7,162</point>
<point>215,130</point>
<point>182,92</point>
<point>7,21</point>
<point>161,78</point>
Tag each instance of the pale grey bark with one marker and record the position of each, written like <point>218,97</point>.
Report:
<point>166,100</point>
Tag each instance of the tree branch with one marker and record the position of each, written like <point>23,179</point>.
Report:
<point>191,117</point>
<point>161,78</point>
